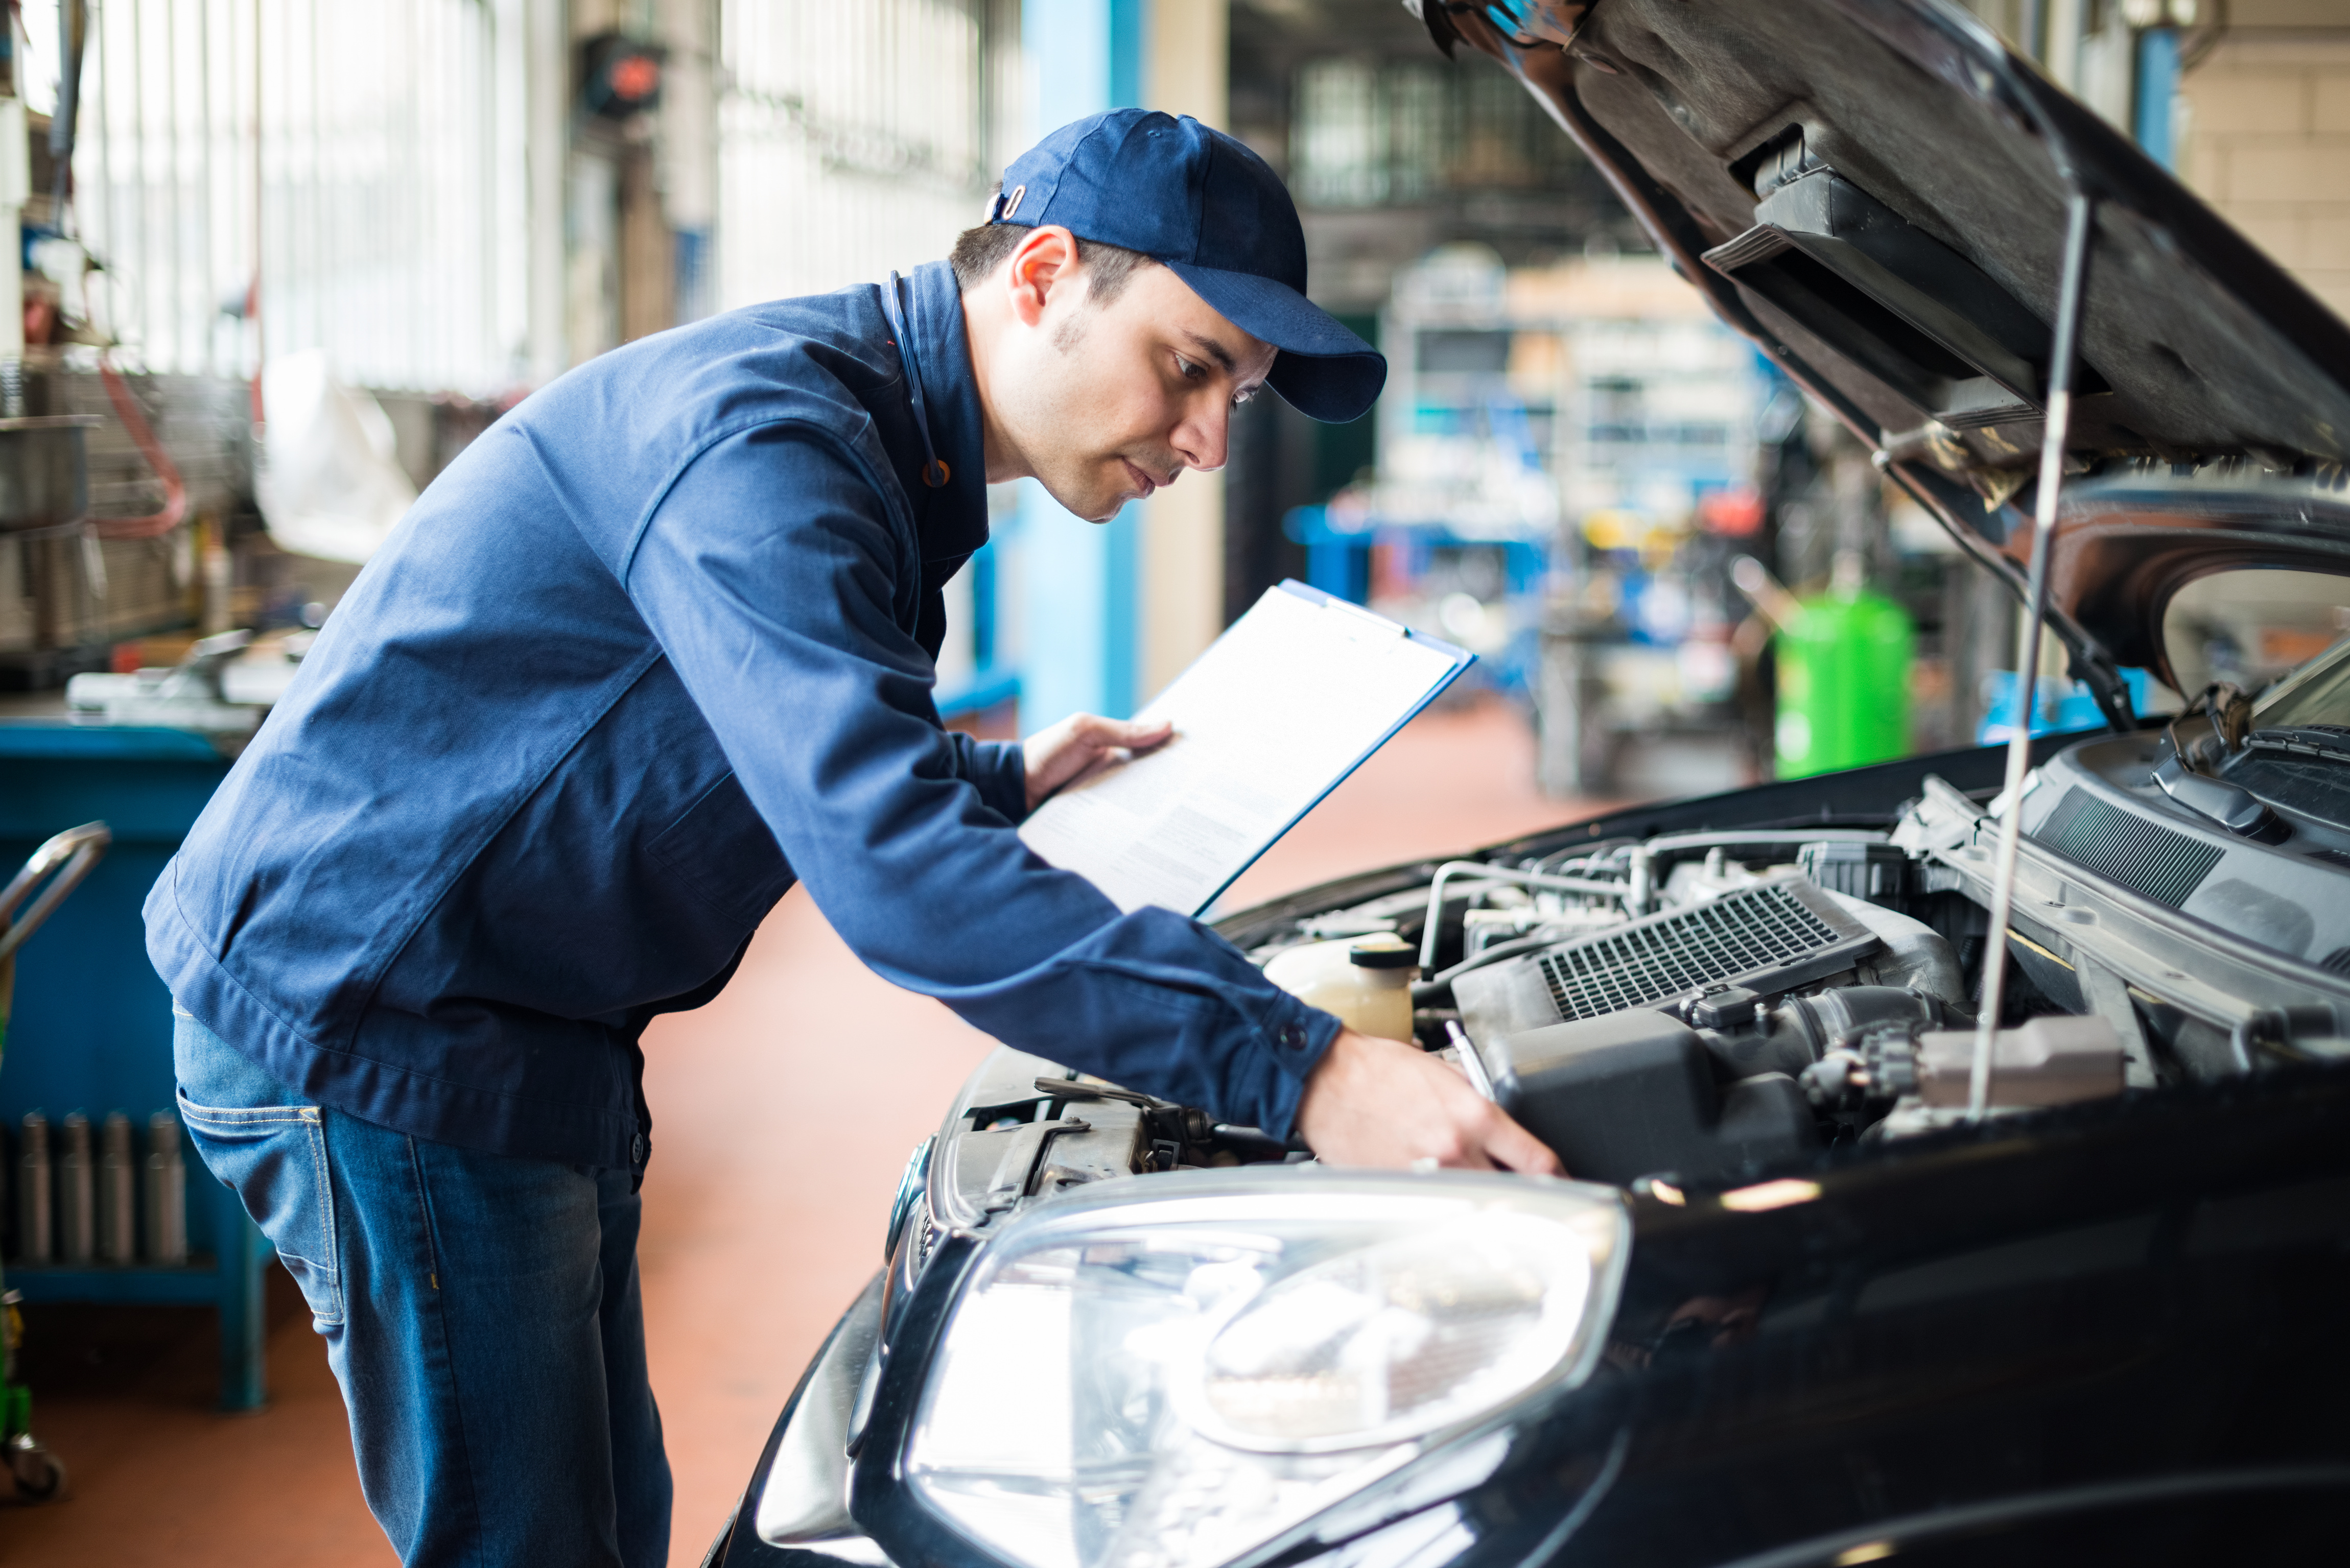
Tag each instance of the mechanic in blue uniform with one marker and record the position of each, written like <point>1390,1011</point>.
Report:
<point>656,646</point>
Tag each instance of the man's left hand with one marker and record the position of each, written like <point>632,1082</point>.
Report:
<point>1061,752</point>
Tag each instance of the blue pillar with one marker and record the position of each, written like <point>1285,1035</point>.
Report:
<point>2157,86</point>
<point>1078,652</point>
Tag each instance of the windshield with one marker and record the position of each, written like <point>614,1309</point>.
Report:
<point>2251,627</point>
<point>2316,693</point>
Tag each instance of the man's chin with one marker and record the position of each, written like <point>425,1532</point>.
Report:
<point>1093,508</point>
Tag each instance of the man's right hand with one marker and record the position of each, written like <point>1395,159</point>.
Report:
<point>1383,1103</point>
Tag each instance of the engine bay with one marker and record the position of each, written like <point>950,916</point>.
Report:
<point>1703,1007</point>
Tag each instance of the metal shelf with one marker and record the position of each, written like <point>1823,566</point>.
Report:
<point>92,1025</point>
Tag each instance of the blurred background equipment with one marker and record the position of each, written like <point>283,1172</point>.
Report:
<point>1571,450</point>
<point>1563,450</point>
<point>1641,683</point>
<point>1432,196</point>
<point>1844,669</point>
<point>31,897</point>
<point>327,478</point>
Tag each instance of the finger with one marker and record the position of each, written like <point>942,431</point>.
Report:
<point>1512,1146</point>
<point>1131,742</point>
<point>1106,732</point>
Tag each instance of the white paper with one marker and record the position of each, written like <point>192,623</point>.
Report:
<point>1282,705</point>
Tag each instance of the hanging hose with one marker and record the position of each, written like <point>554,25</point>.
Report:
<point>73,35</point>
<point>175,510</point>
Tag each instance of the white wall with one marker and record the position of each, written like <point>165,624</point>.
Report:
<point>2265,138</point>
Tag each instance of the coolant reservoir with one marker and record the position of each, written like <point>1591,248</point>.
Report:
<point>1365,980</point>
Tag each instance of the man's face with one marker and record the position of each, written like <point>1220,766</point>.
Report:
<point>1106,403</point>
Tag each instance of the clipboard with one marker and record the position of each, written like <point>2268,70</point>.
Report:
<point>1292,698</point>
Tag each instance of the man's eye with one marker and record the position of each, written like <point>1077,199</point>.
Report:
<point>1192,371</point>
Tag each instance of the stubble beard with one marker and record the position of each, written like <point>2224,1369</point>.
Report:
<point>1067,337</point>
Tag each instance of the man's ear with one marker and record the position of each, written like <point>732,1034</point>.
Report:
<point>1046,258</point>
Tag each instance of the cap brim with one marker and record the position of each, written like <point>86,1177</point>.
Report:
<point>1323,370</point>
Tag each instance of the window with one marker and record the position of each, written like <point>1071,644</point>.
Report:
<point>852,142</point>
<point>388,167</point>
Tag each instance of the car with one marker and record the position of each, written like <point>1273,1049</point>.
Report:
<point>1836,1276</point>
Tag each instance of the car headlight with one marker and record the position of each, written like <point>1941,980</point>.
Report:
<point>1169,1381</point>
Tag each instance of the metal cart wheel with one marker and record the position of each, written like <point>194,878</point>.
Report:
<point>40,1474</point>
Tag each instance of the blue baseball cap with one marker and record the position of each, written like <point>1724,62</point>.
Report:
<point>1219,218</point>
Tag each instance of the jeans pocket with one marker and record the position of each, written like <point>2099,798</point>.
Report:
<point>274,1157</point>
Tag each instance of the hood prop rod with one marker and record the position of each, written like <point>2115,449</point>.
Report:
<point>2080,221</point>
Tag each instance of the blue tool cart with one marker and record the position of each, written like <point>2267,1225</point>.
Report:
<point>91,1028</point>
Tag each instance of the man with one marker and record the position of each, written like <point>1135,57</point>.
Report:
<point>659,644</point>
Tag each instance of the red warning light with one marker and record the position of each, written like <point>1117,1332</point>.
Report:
<point>619,77</point>
<point>635,77</point>
<point>1735,513</point>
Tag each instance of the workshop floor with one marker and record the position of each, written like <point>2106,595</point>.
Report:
<point>785,1111</point>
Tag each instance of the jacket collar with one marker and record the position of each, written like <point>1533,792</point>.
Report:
<point>953,519</point>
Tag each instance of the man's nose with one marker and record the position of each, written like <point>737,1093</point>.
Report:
<point>1204,440</point>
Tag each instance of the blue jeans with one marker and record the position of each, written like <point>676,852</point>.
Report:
<point>482,1313</point>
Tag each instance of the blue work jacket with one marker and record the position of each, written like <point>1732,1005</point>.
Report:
<point>655,646</point>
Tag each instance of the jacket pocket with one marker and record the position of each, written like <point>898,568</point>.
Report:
<point>274,1157</point>
<point>721,850</point>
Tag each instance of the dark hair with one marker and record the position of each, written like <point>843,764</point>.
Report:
<point>979,252</point>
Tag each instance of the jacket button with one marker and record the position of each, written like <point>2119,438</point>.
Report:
<point>1292,1037</point>
<point>637,1149</point>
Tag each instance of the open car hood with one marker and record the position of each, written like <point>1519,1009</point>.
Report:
<point>1875,191</point>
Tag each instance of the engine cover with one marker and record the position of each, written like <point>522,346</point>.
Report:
<point>1633,1093</point>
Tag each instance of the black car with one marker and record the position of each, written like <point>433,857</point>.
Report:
<point>1831,1284</point>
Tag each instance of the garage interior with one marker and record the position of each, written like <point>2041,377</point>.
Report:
<point>282,260</point>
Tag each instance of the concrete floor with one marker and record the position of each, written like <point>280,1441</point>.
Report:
<point>785,1109</point>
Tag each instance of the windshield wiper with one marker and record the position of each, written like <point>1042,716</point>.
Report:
<point>2325,742</point>
<point>2231,805</point>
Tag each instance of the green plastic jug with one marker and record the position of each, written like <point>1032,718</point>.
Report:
<point>1844,683</point>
